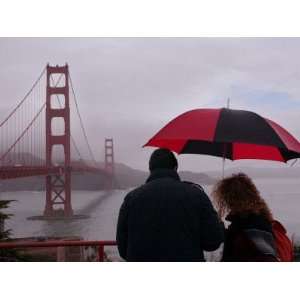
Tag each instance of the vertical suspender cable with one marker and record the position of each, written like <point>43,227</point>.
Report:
<point>23,100</point>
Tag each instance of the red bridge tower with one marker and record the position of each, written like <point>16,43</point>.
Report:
<point>58,186</point>
<point>110,161</point>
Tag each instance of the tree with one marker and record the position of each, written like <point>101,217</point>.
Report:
<point>5,254</point>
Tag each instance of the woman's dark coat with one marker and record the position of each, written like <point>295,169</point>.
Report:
<point>249,237</point>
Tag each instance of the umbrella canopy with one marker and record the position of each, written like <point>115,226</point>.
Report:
<point>228,133</point>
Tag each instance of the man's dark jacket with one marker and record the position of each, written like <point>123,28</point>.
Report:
<point>167,220</point>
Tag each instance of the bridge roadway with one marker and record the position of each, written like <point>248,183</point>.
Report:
<point>10,172</point>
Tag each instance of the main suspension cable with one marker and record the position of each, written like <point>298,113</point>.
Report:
<point>81,122</point>
<point>25,97</point>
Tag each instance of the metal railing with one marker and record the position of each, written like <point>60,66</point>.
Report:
<point>61,243</point>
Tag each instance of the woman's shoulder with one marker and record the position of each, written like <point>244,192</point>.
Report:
<point>249,220</point>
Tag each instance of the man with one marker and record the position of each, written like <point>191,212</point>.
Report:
<point>167,219</point>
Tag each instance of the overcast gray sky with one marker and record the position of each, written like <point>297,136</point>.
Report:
<point>128,88</point>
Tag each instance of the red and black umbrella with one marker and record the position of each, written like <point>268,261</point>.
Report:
<point>228,133</point>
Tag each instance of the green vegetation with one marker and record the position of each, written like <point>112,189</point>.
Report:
<point>297,252</point>
<point>5,254</point>
<point>5,236</point>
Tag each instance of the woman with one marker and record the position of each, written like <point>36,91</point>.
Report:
<point>249,236</point>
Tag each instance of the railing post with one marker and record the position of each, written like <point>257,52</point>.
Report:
<point>61,254</point>
<point>101,253</point>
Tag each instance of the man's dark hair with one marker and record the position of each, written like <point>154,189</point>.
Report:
<point>162,159</point>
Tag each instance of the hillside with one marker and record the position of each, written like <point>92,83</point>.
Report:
<point>129,177</point>
<point>256,172</point>
<point>126,177</point>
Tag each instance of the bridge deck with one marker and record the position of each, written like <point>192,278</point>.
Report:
<point>10,172</point>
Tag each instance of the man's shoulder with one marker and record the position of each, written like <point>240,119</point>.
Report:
<point>194,186</point>
<point>196,193</point>
<point>152,187</point>
<point>134,192</point>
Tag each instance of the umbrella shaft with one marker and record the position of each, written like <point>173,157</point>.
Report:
<point>224,157</point>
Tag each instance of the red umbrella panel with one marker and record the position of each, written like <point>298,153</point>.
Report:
<point>228,133</point>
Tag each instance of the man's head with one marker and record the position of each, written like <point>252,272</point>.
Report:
<point>162,159</point>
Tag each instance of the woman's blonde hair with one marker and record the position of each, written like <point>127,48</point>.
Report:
<point>238,194</point>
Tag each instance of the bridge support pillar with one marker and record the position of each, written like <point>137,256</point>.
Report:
<point>110,162</point>
<point>58,186</point>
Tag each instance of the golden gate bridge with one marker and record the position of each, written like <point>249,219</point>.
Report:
<point>36,140</point>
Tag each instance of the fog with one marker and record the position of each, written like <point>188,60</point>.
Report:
<point>128,88</point>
